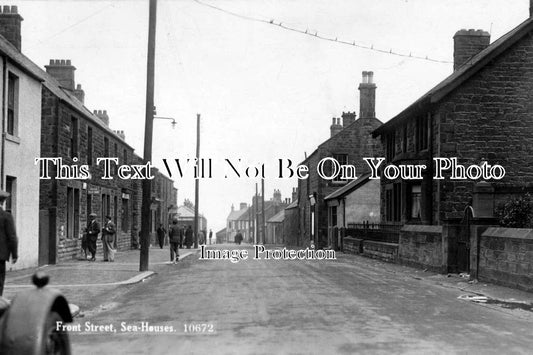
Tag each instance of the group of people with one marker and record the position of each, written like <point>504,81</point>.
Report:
<point>178,237</point>
<point>90,237</point>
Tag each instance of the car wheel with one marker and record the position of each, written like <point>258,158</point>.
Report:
<point>55,341</point>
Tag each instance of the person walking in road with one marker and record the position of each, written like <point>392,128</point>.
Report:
<point>108,240</point>
<point>174,236</point>
<point>93,229</point>
<point>210,236</point>
<point>188,237</point>
<point>161,232</point>
<point>8,240</point>
<point>238,237</point>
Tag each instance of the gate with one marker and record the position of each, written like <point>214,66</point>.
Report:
<point>459,244</point>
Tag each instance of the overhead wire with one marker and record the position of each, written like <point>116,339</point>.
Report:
<point>315,34</point>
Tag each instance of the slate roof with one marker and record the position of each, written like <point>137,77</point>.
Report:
<point>461,75</point>
<point>348,188</point>
<point>292,205</point>
<point>25,64</point>
<point>278,217</point>
<point>186,212</point>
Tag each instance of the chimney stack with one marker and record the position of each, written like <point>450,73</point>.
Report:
<point>243,205</point>
<point>277,196</point>
<point>79,93</point>
<point>367,96</point>
<point>121,134</point>
<point>10,25</point>
<point>468,43</point>
<point>63,71</point>
<point>102,114</point>
<point>336,126</point>
<point>348,118</point>
<point>294,194</point>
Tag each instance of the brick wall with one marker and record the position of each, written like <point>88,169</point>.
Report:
<point>422,246</point>
<point>506,257</point>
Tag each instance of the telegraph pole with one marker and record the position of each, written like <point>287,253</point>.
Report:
<point>149,120</point>
<point>256,218</point>
<point>197,181</point>
<point>263,239</point>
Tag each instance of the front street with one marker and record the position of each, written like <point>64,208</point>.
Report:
<point>349,305</point>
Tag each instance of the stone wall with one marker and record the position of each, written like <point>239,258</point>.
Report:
<point>422,246</point>
<point>506,257</point>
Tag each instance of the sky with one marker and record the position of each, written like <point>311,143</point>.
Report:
<point>263,92</point>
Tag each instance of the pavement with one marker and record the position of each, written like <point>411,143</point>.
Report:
<point>80,280</point>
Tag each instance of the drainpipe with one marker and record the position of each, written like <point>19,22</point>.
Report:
<point>4,88</point>
<point>430,165</point>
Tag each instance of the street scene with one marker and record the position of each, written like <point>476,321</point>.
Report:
<point>269,177</point>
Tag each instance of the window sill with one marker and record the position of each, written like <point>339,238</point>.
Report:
<point>12,138</point>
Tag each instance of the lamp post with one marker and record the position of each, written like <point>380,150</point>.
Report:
<point>312,202</point>
<point>173,123</point>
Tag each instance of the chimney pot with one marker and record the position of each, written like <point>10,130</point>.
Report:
<point>468,43</point>
<point>6,9</point>
<point>14,9</point>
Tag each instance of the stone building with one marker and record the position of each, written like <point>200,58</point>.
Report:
<point>21,135</point>
<point>78,136</point>
<point>481,114</point>
<point>238,220</point>
<point>349,143</point>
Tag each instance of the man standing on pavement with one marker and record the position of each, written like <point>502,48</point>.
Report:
<point>161,235</point>
<point>188,237</point>
<point>210,236</point>
<point>8,240</point>
<point>93,229</point>
<point>108,239</point>
<point>174,234</point>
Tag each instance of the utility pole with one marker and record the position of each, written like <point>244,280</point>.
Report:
<point>149,120</point>
<point>256,219</point>
<point>263,239</point>
<point>197,181</point>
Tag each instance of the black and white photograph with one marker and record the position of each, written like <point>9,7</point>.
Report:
<point>266,177</point>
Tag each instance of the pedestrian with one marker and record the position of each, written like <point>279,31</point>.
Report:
<point>238,237</point>
<point>188,237</point>
<point>93,229</point>
<point>161,232</point>
<point>84,243</point>
<point>182,236</point>
<point>8,240</point>
<point>174,236</point>
<point>201,237</point>
<point>210,236</point>
<point>108,240</point>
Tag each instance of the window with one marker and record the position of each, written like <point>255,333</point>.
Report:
<point>89,145</point>
<point>421,133</point>
<point>404,139</point>
<point>414,200</point>
<point>11,187</point>
<point>12,104</point>
<point>125,215</point>
<point>106,147</point>
<point>115,156</point>
<point>73,212</point>
<point>393,203</point>
<point>391,146</point>
<point>73,137</point>
<point>115,210</point>
<point>106,202</point>
<point>343,161</point>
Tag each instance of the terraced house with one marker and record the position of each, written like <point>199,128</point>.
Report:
<point>482,113</point>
